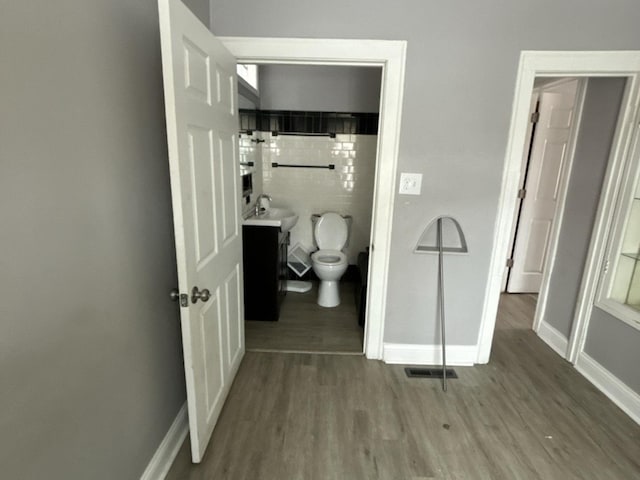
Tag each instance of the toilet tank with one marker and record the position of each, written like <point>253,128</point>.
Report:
<point>314,219</point>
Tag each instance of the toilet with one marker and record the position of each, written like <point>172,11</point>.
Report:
<point>331,233</point>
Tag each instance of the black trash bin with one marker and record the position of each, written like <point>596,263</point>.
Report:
<point>361,286</point>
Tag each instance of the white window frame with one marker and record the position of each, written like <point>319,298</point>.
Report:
<point>620,222</point>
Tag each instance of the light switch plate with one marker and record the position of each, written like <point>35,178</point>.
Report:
<point>410,183</point>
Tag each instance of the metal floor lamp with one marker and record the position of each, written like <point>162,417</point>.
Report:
<point>443,235</point>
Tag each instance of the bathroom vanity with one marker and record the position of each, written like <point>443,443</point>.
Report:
<point>265,271</point>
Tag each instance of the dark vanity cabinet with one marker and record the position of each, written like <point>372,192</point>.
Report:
<point>265,271</point>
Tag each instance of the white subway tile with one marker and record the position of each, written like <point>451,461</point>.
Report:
<point>347,190</point>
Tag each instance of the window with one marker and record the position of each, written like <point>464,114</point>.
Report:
<point>249,73</point>
<point>626,282</point>
<point>619,292</point>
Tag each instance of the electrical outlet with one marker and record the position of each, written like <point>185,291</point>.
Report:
<point>410,183</point>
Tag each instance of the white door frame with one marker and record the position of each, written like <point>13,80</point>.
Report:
<point>558,64</point>
<point>390,55</point>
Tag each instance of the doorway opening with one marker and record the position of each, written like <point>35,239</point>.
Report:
<point>554,118</point>
<point>390,57</point>
<point>308,143</point>
<point>564,174</point>
<point>586,68</point>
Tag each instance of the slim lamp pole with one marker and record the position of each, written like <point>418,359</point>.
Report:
<point>441,301</point>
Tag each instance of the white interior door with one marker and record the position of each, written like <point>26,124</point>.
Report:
<point>202,125</point>
<point>549,151</point>
<point>533,107</point>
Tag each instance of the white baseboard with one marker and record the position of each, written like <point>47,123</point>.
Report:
<point>163,458</point>
<point>553,338</point>
<point>610,385</point>
<point>410,354</point>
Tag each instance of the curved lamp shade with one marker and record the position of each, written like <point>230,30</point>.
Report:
<point>453,240</point>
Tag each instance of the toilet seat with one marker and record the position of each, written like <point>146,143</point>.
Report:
<point>331,232</point>
<point>329,257</point>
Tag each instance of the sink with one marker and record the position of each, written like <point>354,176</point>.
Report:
<point>274,217</point>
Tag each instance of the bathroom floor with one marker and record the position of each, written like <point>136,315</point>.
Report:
<point>304,326</point>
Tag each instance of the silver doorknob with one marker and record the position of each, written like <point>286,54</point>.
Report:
<point>174,294</point>
<point>196,294</point>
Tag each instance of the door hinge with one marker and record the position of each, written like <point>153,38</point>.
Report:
<point>535,117</point>
<point>606,266</point>
<point>184,300</point>
<point>522,193</point>
<point>509,262</point>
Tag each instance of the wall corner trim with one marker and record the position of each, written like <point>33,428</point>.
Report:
<point>412,354</point>
<point>552,337</point>
<point>617,391</point>
<point>162,460</point>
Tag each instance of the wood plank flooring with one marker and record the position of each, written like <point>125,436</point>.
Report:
<point>304,326</point>
<point>526,415</point>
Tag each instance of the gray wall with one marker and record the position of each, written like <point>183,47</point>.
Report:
<point>614,344</point>
<point>593,146</point>
<point>90,363</point>
<point>462,60</point>
<point>320,88</point>
<point>610,342</point>
<point>200,8</point>
<point>246,103</point>
<point>247,96</point>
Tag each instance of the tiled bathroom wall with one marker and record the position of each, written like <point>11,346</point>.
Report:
<point>347,190</point>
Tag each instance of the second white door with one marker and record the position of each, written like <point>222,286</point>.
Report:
<point>548,158</point>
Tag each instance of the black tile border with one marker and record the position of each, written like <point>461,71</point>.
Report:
<point>301,122</point>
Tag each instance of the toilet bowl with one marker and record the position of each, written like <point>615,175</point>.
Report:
<point>329,262</point>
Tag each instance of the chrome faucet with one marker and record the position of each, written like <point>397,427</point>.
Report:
<point>259,208</point>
